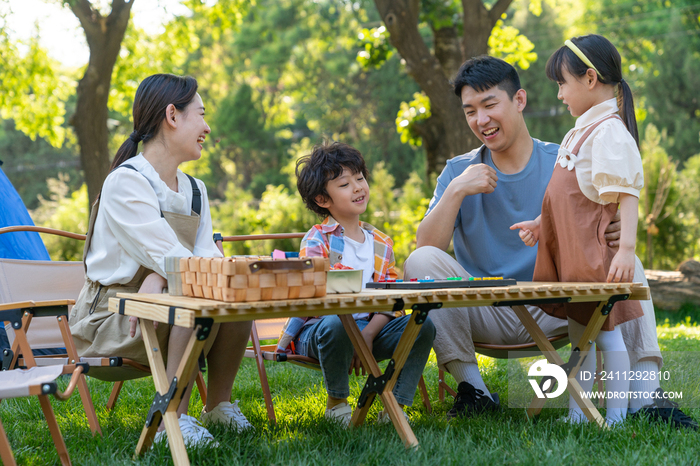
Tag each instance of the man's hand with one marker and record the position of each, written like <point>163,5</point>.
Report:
<point>476,179</point>
<point>612,232</point>
<point>529,231</point>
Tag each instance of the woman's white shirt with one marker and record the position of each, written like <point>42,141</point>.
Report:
<point>608,163</point>
<point>129,230</point>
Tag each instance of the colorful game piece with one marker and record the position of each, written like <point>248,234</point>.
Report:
<point>451,282</point>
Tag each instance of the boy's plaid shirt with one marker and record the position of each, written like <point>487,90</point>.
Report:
<point>326,240</point>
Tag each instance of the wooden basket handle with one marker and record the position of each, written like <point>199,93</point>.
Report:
<point>281,265</point>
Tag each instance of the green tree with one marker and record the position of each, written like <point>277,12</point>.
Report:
<point>104,34</point>
<point>434,37</point>
<point>65,211</point>
<point>546,117</point>
<point>33,92</point>
<point>662,238</point>
<point>659,42</point>
<point>289,74</point>
<point>689,212</point>
<point>29,163</point>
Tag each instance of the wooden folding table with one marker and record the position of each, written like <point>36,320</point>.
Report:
<point>201,314</point>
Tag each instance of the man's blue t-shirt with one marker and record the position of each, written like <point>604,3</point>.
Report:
<point>483,242</point>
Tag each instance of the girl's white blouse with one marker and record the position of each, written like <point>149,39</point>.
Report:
<point>608,162</point>
<point>129,231</point>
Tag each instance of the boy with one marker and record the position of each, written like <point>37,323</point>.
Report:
<point>332,181</point>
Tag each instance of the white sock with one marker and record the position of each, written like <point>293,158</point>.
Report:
<point>617,364</point>
<point>467,372</point>
<point>645,370</point>
<point>588,366</point>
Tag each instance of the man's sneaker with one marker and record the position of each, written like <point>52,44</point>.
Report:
<point>470,401</point>
<point>193,433</point>
<point>341,413</point>
<point>383,417</point>
<point>228,414</point>
<point>665,410</point>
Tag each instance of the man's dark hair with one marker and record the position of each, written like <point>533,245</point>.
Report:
<point>324,164</point>
<point>484,72</point>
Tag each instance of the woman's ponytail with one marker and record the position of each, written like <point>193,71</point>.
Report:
<point>127,150</point>
<point>625,102</point>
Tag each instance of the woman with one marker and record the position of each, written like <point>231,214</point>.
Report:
<point>147,210</point>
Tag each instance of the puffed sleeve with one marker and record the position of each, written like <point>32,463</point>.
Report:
<point>616,163</point>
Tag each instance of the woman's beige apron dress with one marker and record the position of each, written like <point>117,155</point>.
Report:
<point>572,245</point>
<point>98,332</point>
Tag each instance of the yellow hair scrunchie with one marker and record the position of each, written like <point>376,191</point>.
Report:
<point>580,54</point>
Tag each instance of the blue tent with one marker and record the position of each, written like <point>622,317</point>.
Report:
<point>20,245</point>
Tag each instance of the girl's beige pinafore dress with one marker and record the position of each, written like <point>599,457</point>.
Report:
<point>98,332</point>
<point>572,245</point>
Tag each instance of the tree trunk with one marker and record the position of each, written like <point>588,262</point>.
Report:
<point>104,37</point>
<point>446,133</point>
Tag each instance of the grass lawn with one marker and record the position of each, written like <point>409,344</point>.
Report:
<point>302,436</point>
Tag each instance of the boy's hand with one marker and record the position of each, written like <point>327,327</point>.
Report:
<point>622,267</point>
<point>529,231</point>
<point>356,363</point>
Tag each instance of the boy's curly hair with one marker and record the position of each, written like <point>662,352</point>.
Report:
<point>324,164</point>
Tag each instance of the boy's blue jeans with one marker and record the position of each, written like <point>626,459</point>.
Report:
<point>328,342</point>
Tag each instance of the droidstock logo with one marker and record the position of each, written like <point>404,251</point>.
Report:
<point>550,372</point>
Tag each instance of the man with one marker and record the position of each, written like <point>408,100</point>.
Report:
<point>478,196</point>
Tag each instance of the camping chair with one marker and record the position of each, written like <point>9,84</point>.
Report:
<point>27,280</point>
<point>270,329</point>
<point>39,381</point>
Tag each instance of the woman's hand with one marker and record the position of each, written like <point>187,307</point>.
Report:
<point>529,231</point>
<point>153,283</point>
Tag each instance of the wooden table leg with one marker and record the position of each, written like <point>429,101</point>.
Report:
<point>403,348</point>
<point>368,362</point>
<point>163,386</point>
<point>574,388</point>
<point>544,346</point>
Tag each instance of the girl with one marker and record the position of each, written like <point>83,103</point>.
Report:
<point>147,210</point>
<point>598,168</point>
